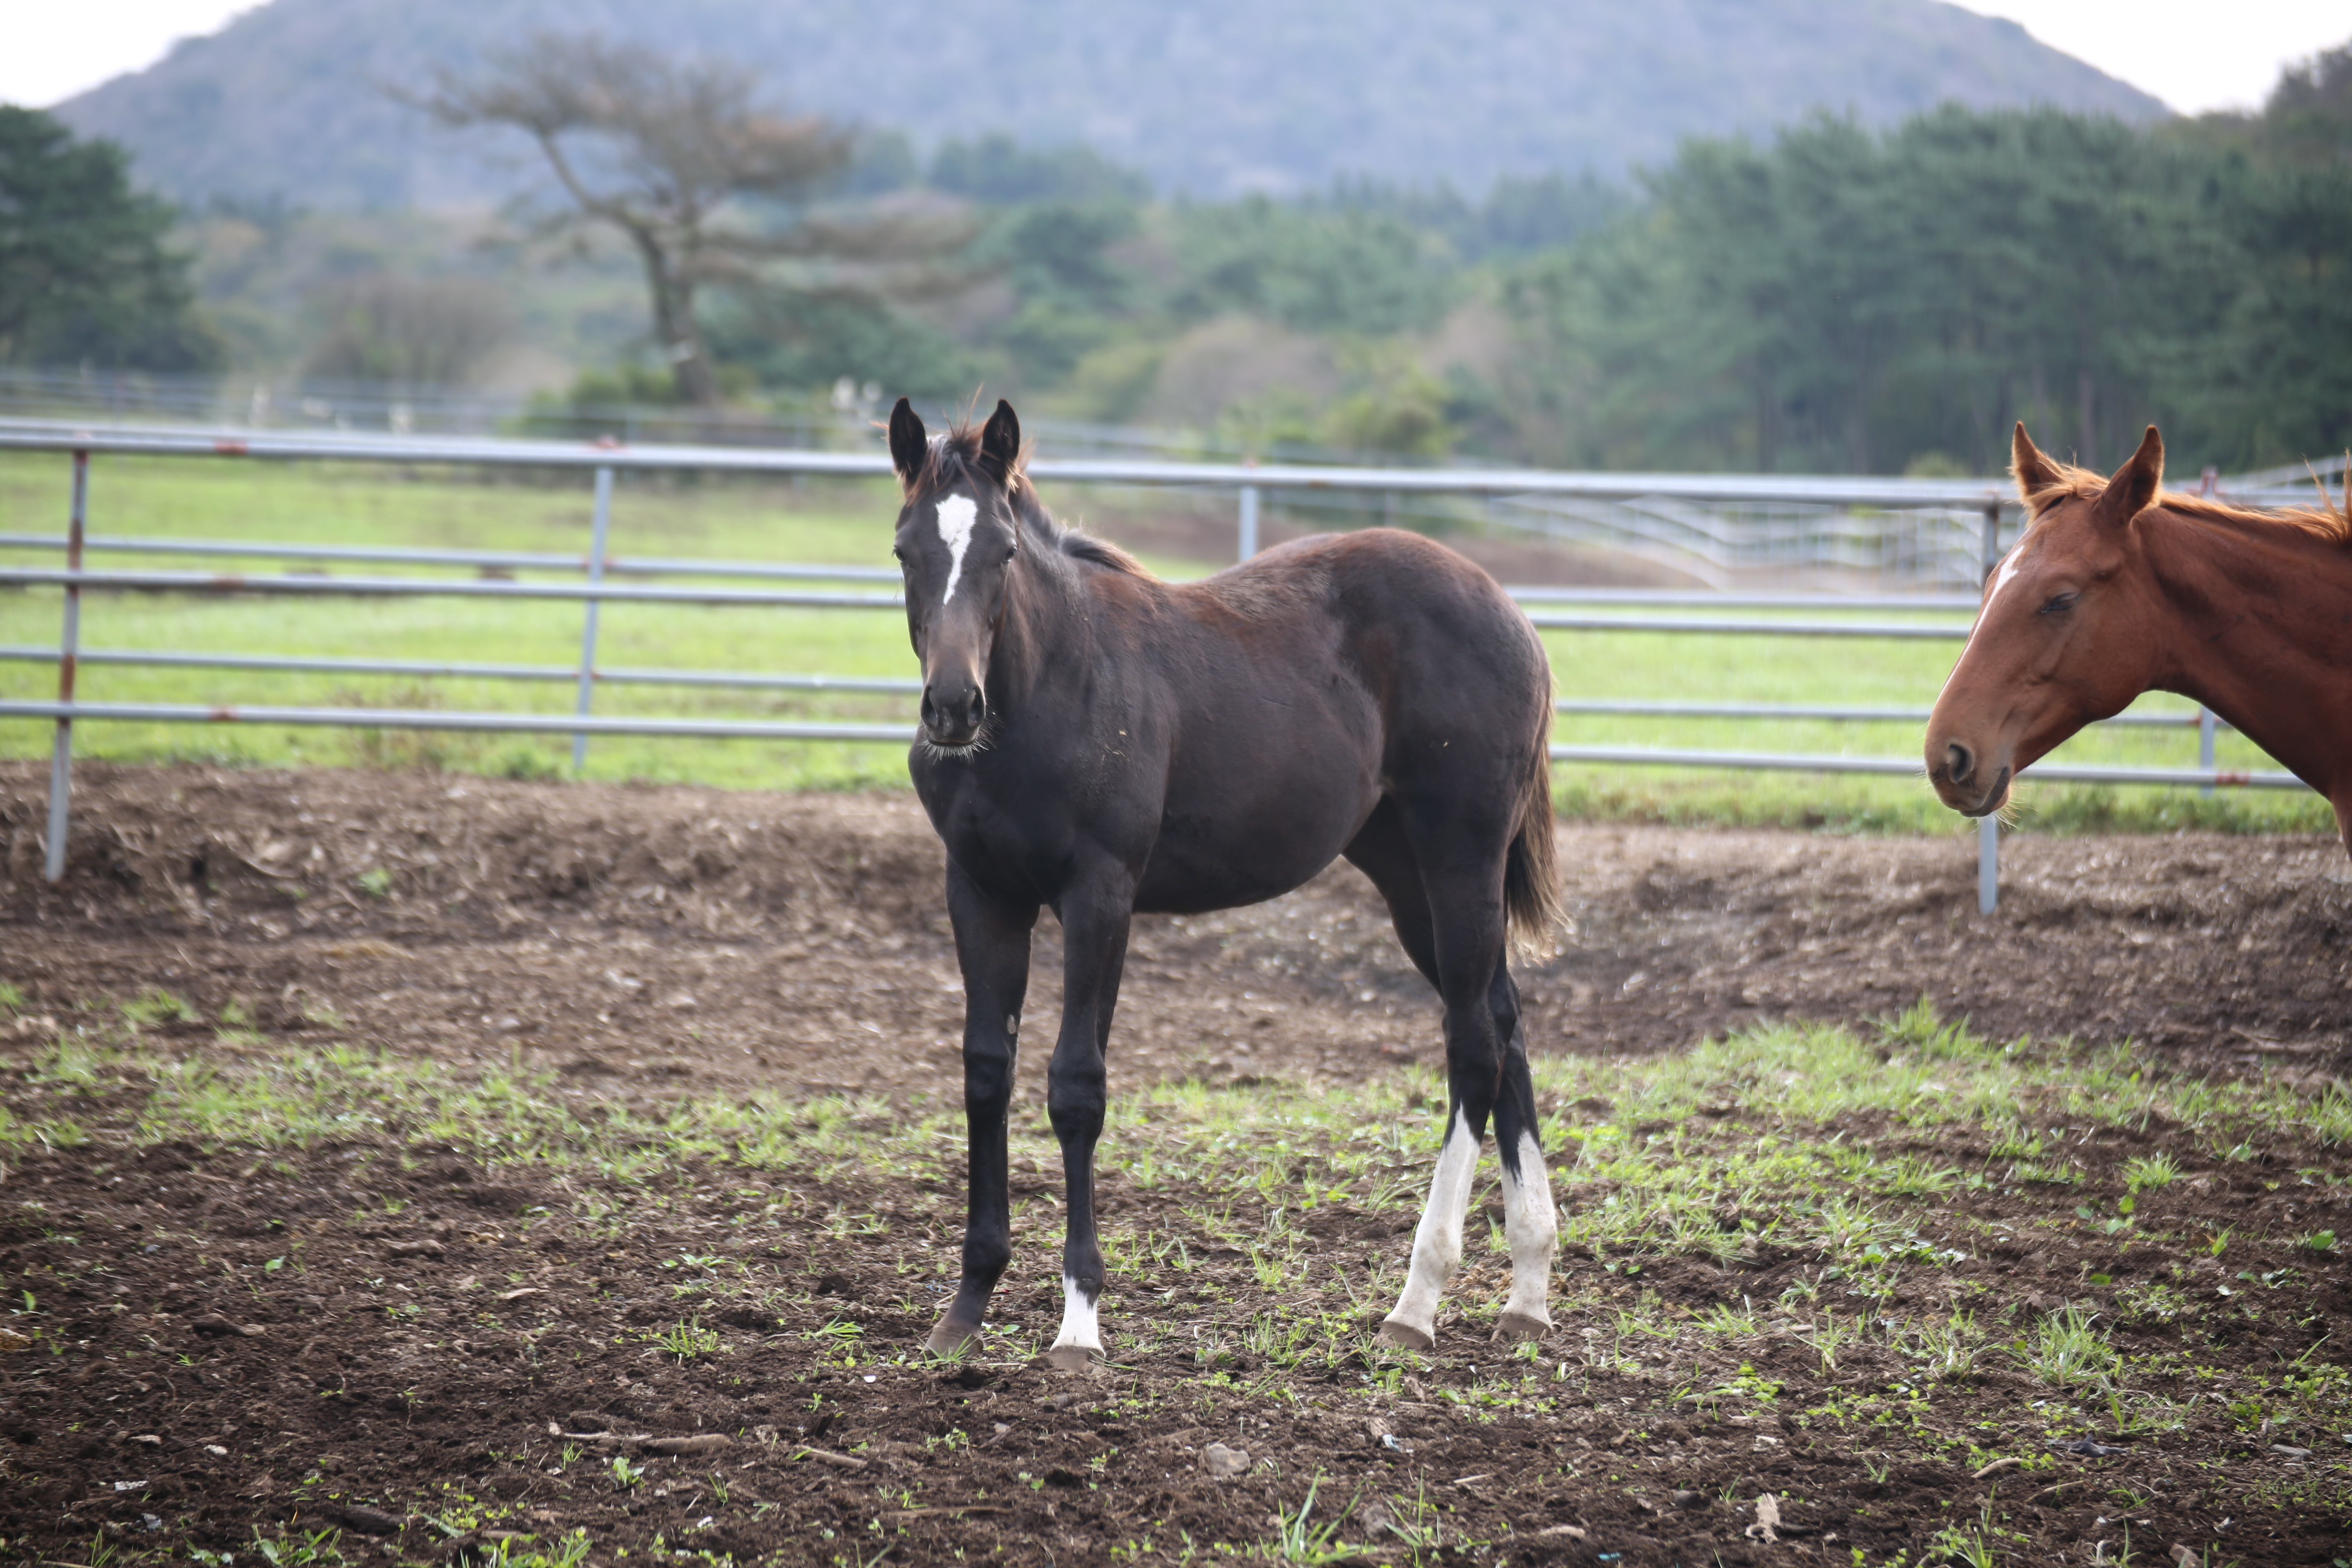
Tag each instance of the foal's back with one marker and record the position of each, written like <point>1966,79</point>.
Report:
<point>1307,684</point>
<point>1428,638</point>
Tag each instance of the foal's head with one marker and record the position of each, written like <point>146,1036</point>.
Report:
<point>958,535</point>
<point>2067,632</point>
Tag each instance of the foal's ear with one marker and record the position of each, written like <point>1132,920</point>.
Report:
<point>2135,483</point>
<point>908,445</point>
<point>1000,444</point>
<point>2033,471</point>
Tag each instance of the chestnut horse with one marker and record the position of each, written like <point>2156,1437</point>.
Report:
<point>1100,742</point>
<point>2117,588</point>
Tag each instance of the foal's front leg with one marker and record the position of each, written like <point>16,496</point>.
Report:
<point>993,948</point>
<point>1095,921</point>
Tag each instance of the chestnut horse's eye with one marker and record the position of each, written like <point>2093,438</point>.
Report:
<point>2058,603</point>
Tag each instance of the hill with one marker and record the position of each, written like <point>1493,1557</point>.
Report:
<point>1213,96</point>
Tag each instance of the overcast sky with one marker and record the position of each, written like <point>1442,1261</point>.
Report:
<point>2193,54</point>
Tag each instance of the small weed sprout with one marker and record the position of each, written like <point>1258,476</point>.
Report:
<point>625,1474</point>
<point>689,1340</point>
<point>1299,1539</point>
<point>2069,1352</point>
<point>309,1550</point>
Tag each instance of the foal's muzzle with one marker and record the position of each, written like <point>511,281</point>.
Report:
<point>953,712</point>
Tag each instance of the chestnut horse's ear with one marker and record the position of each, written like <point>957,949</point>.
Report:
<point>1000,444</point>
<point>2135,484</point>
<point>2033,471</point>
<point>908,445</point>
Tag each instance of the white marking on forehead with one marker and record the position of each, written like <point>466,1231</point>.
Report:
<point>2009,565</point>
<point>957,514</point>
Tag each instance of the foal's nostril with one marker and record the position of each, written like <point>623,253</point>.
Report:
<point>949,717</point>
<point>1958,761</point>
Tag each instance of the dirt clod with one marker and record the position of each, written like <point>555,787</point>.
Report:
<point>826,1456</point>
<point>366,1521</point>
<point>1224,1464</point>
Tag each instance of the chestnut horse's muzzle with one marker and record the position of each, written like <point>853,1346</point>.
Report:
<point>1958,777</point>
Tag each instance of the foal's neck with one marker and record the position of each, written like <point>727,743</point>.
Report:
<point>1043,604</point>
<point>2264,636</point>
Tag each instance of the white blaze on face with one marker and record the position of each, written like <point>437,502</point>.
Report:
<point>1081,1326</point>
<point>957,514</point>
<point>1532,1227</point>
<point>2009,565</point>
<point>1437,1241</point>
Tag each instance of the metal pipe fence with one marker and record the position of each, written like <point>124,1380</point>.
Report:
<point>1556,609</point>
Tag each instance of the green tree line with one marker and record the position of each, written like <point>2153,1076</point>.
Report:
<point>1850,301</point>
<point>1832,298</point>
<point>1835,298</point>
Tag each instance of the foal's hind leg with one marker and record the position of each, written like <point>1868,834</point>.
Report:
<point>1450,919</point>
<point>1531,1223</point>
<point>993,948</point>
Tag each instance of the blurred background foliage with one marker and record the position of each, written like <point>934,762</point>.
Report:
<point>1833,299</point>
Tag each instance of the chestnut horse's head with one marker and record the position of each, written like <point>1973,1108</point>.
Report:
<point>958,535</point>
<point>2064,636</point>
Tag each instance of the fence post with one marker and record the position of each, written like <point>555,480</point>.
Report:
<point>1249,522</point>
<point>598,532</point>
<point>1989,825</point>
<point>2208,483</point>
<point>68,646</point>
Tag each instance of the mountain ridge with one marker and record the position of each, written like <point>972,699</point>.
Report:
<point>1217,99</point>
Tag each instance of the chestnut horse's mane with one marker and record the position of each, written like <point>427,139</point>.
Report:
<point>2328,521</point>
<point>954,458</point>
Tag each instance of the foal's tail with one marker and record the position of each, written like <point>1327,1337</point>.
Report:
<point>1531,872</point>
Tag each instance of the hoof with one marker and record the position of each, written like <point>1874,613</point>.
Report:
<point>1072,1358</point>
<point>952,1341</point>
<point>1520,1326</point>
<point>1399,1332</point>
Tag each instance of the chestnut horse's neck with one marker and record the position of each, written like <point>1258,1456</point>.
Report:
<point>2263,635</point>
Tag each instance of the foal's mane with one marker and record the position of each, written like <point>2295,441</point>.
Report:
<point>953,458</point>
<point>2326,522</point>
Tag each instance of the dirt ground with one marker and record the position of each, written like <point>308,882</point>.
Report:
<point>643,945</point>
<point>743,938</point>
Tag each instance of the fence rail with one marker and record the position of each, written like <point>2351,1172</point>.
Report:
<point>1556,609</point>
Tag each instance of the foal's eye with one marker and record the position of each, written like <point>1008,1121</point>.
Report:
<point>899,555</point>
<point>2058,603</point>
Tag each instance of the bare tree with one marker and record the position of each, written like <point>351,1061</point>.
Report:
<point>673,153</point>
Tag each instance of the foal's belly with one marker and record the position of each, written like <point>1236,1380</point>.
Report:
<point>1217,854</point>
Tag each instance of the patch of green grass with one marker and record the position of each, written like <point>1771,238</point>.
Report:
<point>2068,1351</point>
<point>689,1340</point>
<point>1800,1142</point>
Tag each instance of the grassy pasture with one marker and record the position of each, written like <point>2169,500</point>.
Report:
<point>1856,1259</point>
<point>351,504</point>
